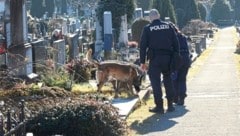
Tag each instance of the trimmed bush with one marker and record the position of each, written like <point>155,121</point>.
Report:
<point>85,117</point>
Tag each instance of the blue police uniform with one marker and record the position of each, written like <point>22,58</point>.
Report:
<point>159,41</point>
<point>179,81</point>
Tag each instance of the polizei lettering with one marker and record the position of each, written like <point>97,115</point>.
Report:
<point>159,27</point>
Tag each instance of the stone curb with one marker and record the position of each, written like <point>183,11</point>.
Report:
<point>128,105</point>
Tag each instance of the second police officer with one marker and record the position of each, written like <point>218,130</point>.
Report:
<point>180,75</point>
<point>159,43</point>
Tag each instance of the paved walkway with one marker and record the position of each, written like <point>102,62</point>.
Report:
<point>213,102</point>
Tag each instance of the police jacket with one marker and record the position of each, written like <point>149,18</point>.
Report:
<point>160,37</point>
<point>184,50</point>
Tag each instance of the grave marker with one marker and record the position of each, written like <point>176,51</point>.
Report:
<point>39,55</point>
<point>59,53</point>
<point>73,46</point>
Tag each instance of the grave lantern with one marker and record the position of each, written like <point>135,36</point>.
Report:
<point>2,44</point>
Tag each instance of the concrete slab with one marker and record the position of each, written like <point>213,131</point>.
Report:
<point>127,105</point>
<point>124,105</point>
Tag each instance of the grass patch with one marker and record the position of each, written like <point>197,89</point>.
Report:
<point>83,88</point>
<point>91,88</point>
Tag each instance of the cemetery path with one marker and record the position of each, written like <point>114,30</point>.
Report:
<point>213,104</point>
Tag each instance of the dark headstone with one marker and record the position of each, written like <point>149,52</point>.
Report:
<point>204,42</point>
<point>2,59</point>
<point>19,59</point>
<point>40,55</point>
<point>198,47</point>
<point>73,46</point>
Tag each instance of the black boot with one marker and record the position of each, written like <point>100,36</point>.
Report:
<point>170,106</point>
<point>181,101</point>
<point>175,100</point>
<point>159,108</point>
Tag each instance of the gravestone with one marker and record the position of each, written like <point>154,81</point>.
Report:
<point>123,36</point>
<point>19,59</point>
<point>84,32</point>
<point>146,14</point>
<point>64,28</point>
<point>204,41</point>
<point>108,36</point>
<point>72,27</point>
<point>138,13</point>
<point>78,24</point>
<point>73,46</point>
<point>80,44</point>
<point>59,53</point>
<point>198,47</point>
<point>2,59</point>
<point>99,41</point>
<point>40,55</point>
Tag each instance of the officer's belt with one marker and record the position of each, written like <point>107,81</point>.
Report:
<point>162,52</point>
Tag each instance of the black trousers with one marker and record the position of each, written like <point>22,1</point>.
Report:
<point>180,82</point>
<point>160,66</point>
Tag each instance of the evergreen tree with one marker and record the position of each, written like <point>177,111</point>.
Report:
<point>217,14</point>
<point>118,8</point>
<point>186,10</point>
<point>64,6</point>
<point>49,7</point>
<point>36,9</point>
<point>202,11</point>
<point>130,7</point>
<point>39,7</point>
<point>165,8</point>
<point>137,28</point>
<point>144,4</point>
<point>232,2</point>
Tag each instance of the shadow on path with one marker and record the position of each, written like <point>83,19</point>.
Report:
<point>158,122</point>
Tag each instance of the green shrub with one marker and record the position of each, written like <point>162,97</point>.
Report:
<point>55,78</point>
<point>137,28</point>
<point>85,117</point>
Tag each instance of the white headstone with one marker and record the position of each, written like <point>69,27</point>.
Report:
<point>138,13</point>
<point>107,22</point>
<point>123,37</point>
<point>64,28</point>
<point>29,65</point>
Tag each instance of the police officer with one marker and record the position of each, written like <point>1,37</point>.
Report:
<point>159,42</point>
<point>180,76</point>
